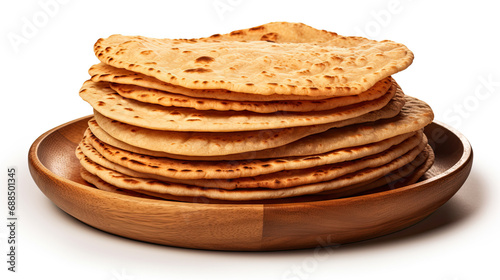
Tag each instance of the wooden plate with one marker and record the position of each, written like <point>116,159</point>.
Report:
<point>246,227</point>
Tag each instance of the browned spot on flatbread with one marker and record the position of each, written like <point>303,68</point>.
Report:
<point>136,162</point>
<point>132,181</point>
<point>237,32</point>
<point>257,28</point>
<point>198,70</point>
<point>270,37</point>
<point>204,59</point>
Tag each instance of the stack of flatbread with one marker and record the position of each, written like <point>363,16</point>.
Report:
<point>276,111</point>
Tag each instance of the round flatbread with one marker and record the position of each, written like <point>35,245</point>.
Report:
<point>156,186</point>
<point>110,104</point>
<point>183,169</point>
<point>278,180</point>
<point>163,98</point>
<point>102,72</point>
<point>400,177</point>
<point>275,58</point>
<point>267,143</point>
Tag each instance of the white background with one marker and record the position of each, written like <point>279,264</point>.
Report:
<point>47,49</point>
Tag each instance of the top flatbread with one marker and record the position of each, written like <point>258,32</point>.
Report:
<point>275,58</point>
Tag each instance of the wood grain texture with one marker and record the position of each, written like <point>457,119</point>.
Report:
<point>246,227</point>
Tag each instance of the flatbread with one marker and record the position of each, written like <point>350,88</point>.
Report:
<point>290,58</point>
<point>182,169</point>
<point>102,72</point>
<point>317,174</point>
<point>110,104</point>
<point>163,98</point>
<point>410,174</point>
<point>413,116</point>
<point>403,176</point>
<point>275,180</point>
<point>102,185</point>
<point>226,143</point>
<point>156,186</point>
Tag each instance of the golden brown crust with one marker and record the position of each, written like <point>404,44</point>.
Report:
<point>292,59</point>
